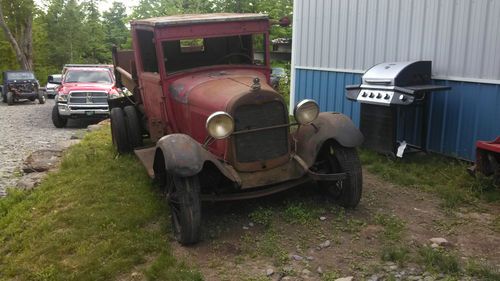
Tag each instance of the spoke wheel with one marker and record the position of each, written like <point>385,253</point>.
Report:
<point>334,158</point>
<point>183,197</point>
<point>10,98</point>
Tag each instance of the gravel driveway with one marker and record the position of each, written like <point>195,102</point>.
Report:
<point>24,128</point>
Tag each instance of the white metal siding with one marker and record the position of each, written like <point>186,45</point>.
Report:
<point>461,37</point>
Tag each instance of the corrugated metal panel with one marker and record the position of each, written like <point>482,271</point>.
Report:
<point>461,37</point>
<point>456,118</point>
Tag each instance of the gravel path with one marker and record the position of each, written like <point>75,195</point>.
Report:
<point>24,128</point>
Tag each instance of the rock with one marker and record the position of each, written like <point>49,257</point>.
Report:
<point>374,277</point>
<point>310,258</point>
<point>434,245</point>
<point>250,224</point>
<point>439,241</point>
<point>246,227</point>
<point>306,271</point>
<point>348,278</point>
<point>42,160</point>
<point>393,267</point>
<point>30,181</point>
<point>325,244</point>
<point>319,270</point>
<point>297,257</point>
<point>322,218</point>
<point>92,128</point>
<point>269,272</point>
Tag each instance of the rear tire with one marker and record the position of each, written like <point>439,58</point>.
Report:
<point>183,196</point>
<point>10,98</point>
<point>134,130</point>
<point>119,131</point>
<point>41,97</point>
<point>57,119</point>
<point>337,159</point>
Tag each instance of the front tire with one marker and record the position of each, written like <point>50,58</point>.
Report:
<point>41,98</point>
<point>119,131</point>
<point>134,130</point>
<point>10,98</point>
<point>57,119</point>
<point>337,158</point>
<point>183,196</point>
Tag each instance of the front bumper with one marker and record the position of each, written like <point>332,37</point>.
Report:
<point>50,92</point>
<point>25,95</point>
<point>83,110</point>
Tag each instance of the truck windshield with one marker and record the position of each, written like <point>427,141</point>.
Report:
<point>197,52</point>
<point>87,76</point>
<point>20,75</point>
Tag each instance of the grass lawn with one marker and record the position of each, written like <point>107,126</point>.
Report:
<point>447,177</point>
<point>97,218</point>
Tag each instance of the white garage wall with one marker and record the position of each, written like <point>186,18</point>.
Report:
<point>461,37</point>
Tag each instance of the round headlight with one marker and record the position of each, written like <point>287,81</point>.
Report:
<point>306,111</point>
<point>220,125</point>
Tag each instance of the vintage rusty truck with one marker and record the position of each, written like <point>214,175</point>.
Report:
<point>217,130</point>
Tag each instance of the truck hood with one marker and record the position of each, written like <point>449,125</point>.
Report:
<point>215,91</point>
<point>68,87</point>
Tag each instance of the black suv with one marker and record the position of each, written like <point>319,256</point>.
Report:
<point>21,84</point>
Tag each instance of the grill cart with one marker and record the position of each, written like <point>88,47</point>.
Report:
<point>387,91</point>
<point>218,128</point>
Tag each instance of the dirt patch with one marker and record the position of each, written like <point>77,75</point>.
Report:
<point>284,234</point>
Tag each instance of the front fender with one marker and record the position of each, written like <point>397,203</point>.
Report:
<point>185,157</point>
<point>328,125</point>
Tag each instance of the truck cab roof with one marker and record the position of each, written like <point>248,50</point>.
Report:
<point>198,19</point>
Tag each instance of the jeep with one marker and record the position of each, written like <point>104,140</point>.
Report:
<point>83,93</point>
<point>218,130</point>
<point>21,84</point>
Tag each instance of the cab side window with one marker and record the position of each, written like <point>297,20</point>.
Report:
<point>147,50</point>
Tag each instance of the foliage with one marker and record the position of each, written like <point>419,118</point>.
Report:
<point>84,224</point>
<point>72,31</point>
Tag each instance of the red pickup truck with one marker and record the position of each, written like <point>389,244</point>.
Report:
<point>83,93</point>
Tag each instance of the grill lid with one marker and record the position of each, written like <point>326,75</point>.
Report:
<point>399,73</point>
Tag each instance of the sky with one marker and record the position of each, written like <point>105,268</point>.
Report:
<point>104,6</point>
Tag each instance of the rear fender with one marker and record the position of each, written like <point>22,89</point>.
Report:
<point>185,157</point>
<point>328,125</point>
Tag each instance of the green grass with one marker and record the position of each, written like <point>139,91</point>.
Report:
<point>439,260</point>
<point>393,226</point>
<point>300,213</point>
<point>444,176</point>
<point>97,218</point>
<point>483,271</point>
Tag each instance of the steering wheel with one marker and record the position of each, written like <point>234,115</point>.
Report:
<point>234,55</point>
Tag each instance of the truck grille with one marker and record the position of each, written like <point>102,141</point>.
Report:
<point>265,144</point>
<point>88,97</point>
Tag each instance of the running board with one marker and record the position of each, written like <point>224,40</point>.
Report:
<point>147,157</point>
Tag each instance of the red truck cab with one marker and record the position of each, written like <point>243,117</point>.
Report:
<point>219,131</point>
<point>83,93</point>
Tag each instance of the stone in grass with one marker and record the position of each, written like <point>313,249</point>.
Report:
<point>319,270</point>
<point>439,241</point>
<point>306,272</point>
<point>296,257</point>
<point>30,181</point>
<point>269,272</point>
<point>92,128</point>
<point>325,244</point>
<point>42,160</point>
<point>348,278</point>
<point>322,218</point>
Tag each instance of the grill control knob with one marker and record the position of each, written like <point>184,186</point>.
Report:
<point>387,96</point>
<point>371,95</point>
<point>402,98</point>
<point>379,95</point>
<point>364,94</point>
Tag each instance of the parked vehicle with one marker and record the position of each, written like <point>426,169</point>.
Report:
<point>220,131</point>
<point>83,93</point>
<point>277,74</point>
<point>488,159</point>
<point>51,88</point>
<point>21,84</point>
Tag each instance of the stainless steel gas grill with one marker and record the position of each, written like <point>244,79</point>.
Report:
<point>386,90</point>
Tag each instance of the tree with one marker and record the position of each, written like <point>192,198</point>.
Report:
<point>116,33</point>
<point>16,21</point>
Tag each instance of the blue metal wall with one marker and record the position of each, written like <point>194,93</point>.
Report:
<point>456,118</point>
